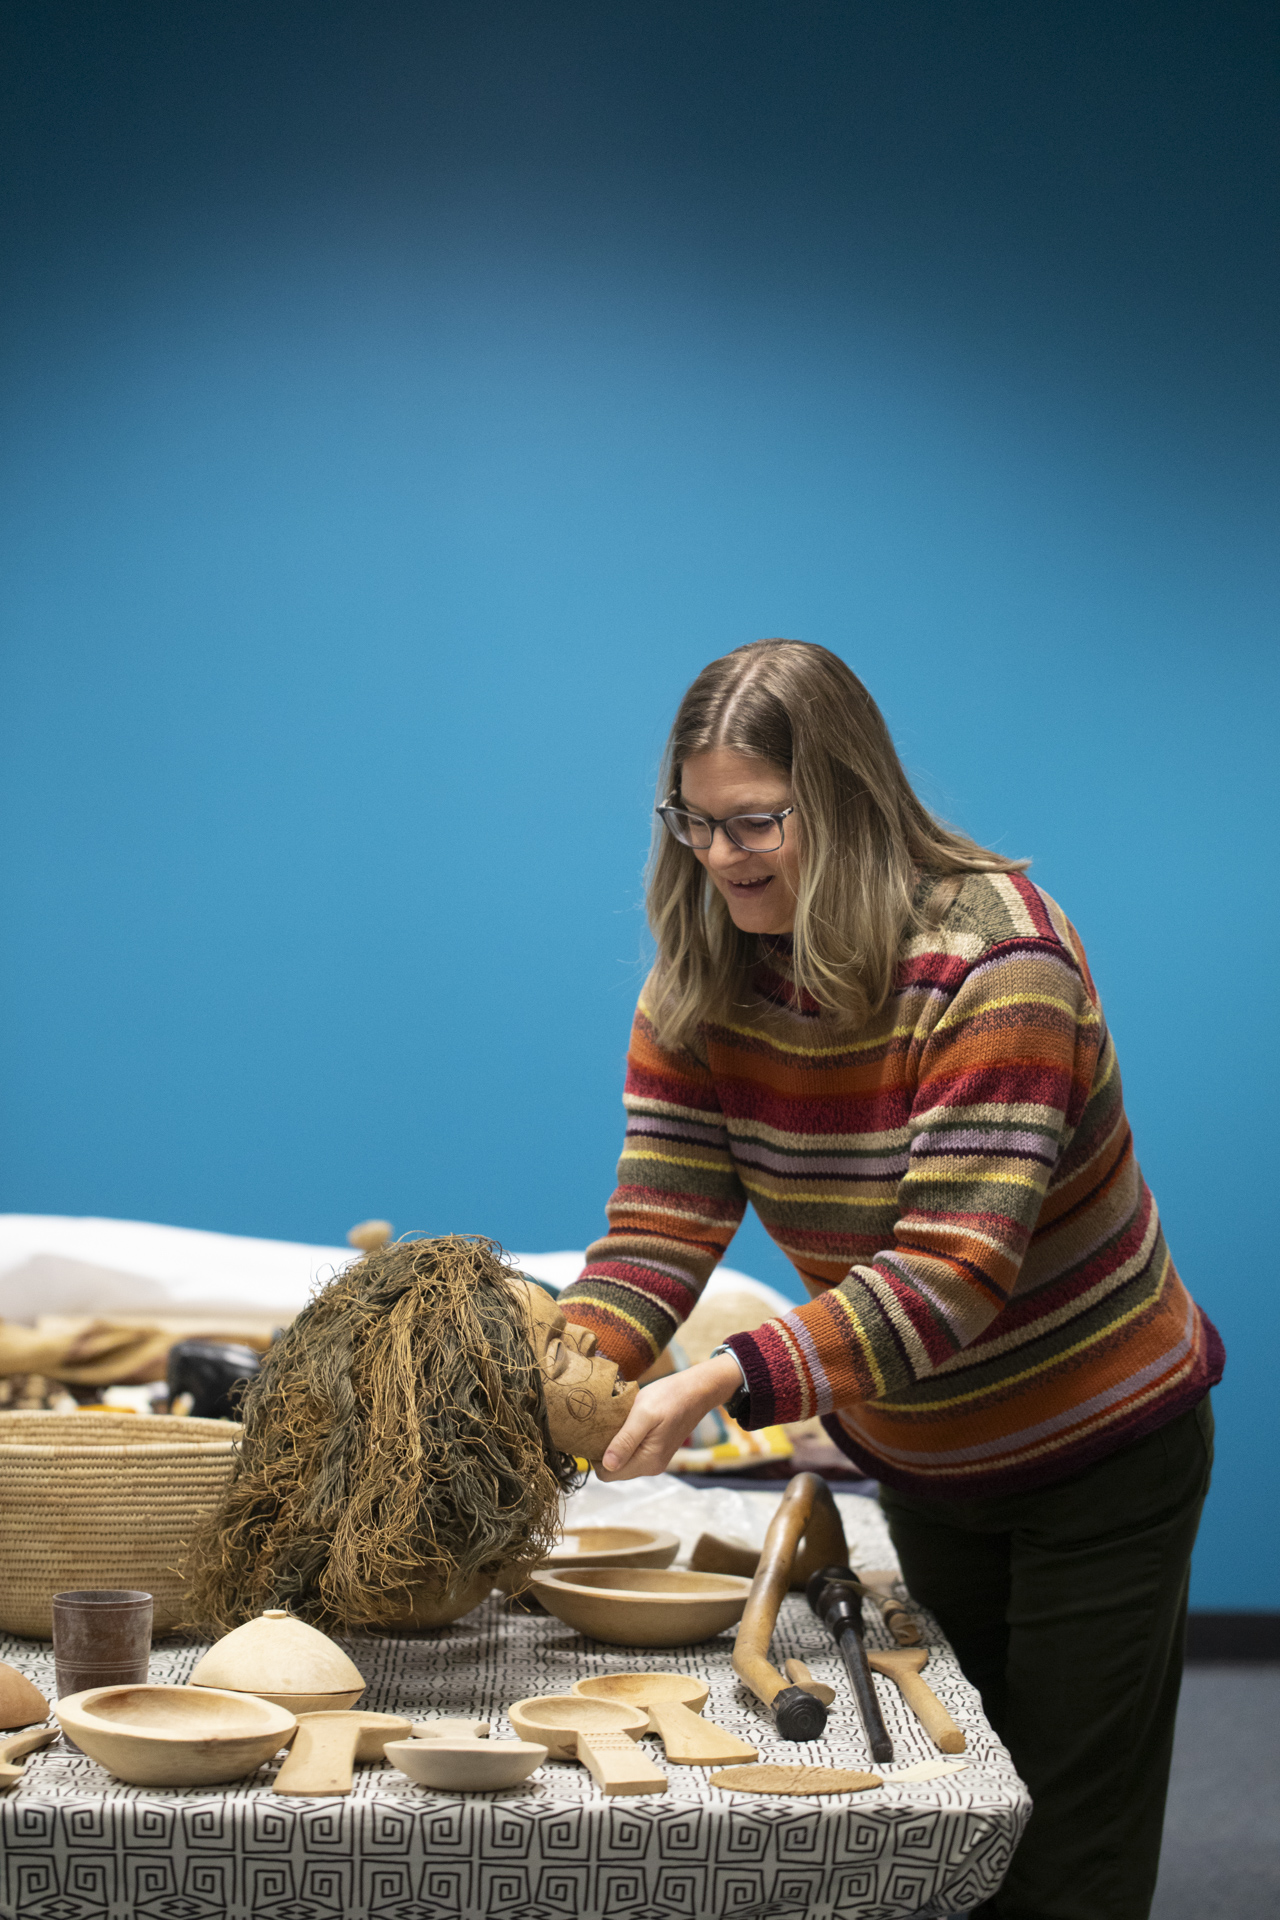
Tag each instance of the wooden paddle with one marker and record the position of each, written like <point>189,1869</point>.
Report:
<point>674,1703</point>
<point>903,1667</point>
<point>327,1746</point>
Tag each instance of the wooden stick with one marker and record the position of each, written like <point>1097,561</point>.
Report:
<point>903,1668</point>
<point>806,1510</point>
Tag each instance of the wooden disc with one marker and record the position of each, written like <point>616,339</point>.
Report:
<point>771,1778</point>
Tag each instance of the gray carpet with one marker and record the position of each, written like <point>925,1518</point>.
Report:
<point>1221,1855</point>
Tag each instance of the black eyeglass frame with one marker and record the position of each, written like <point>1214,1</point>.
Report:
<point>686,813</point>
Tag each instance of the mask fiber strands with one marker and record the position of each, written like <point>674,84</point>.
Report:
<point>395,1437</point>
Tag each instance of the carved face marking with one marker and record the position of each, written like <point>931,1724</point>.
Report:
<point>586,1401</point>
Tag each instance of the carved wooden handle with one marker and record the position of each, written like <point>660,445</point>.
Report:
<point>617,1765</point>
<point>693,1742</point>
<point>922,1700</point>
<point>322,1756</point>
<point>807,1500</point>
<point>15,1747</point>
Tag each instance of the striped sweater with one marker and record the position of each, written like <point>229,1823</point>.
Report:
<point>993,1305</point>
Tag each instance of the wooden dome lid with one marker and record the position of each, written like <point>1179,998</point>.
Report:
<point>277,1654</point>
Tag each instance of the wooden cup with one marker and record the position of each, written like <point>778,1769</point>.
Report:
<point>101,1638</point>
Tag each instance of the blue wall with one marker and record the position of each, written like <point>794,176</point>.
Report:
<point>401,403</point>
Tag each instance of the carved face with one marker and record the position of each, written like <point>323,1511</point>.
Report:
<point>586,1401</point>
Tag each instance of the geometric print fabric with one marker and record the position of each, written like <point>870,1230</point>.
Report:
<point>79,1845</point>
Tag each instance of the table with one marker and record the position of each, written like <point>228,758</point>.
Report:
<point>78,1845</point>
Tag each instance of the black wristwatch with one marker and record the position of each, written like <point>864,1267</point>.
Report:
<point>738,1405</point>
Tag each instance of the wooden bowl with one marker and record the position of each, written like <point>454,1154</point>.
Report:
<point>466,1766</point>
<point>643,1607</point>
<point>613,1547</point>
<point>448,1726</point>
<point>174,1736</point>
<point>278,1658</point>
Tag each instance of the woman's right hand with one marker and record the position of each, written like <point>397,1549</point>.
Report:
<point>665,1413</point>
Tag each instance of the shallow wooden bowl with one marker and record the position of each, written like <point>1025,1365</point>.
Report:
<point>466,1766</point>
<point>613,1547</point>
<point>643,1689</point>
<point>643,1607</point>
<point>174,1736</point>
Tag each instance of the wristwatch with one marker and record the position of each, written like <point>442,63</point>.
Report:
<point>738,1405</point>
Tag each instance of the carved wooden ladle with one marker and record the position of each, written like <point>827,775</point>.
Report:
<point>674,1703</point>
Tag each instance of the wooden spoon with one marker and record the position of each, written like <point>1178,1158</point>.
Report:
<point>16,1747</point>
<point>598,1733</point>
<point>674,1702</point>
<point>327,1746</point>
<point>903,1667</point>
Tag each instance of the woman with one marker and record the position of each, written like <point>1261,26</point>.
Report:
<point>887,1039</point>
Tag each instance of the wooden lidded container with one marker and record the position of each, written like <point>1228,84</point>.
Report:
<point>283,1660</point>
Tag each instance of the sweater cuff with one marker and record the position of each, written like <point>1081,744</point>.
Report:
<point>766,1403</point>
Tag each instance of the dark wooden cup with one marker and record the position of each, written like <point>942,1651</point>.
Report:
<point>101,1638</point>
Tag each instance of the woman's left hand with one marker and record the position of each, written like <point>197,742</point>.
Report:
<point>665,1413</point>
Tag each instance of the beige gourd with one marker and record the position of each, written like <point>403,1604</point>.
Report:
<point>20,1702</point>
<point>279,1658</point>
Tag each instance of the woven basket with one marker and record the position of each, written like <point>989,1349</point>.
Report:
<point>102,1500</point>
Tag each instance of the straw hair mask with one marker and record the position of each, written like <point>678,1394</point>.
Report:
<point>395,1438</point>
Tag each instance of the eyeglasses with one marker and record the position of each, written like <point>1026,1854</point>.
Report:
<point>752,832</point>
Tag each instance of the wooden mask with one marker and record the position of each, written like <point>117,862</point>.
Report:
<point>587,1401</point>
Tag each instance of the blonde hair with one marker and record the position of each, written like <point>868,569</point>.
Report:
<point>864,838</point>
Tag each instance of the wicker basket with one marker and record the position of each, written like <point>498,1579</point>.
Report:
<point>102,1500</point>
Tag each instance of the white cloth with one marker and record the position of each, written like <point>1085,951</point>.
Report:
<point>64,1264</point>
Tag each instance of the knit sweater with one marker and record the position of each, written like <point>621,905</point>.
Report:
<point>993,1303</point>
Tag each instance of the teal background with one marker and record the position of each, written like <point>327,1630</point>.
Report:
<point>402,402</point>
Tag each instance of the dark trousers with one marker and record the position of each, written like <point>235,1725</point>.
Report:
<point>1067,1610</point>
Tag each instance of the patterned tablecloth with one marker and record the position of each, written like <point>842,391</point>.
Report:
<point>77,1845</point>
